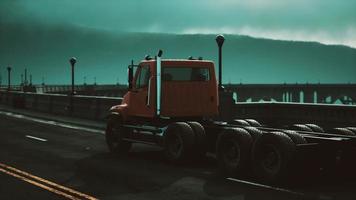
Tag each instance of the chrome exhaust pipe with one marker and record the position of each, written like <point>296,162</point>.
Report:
<point>158,82</point>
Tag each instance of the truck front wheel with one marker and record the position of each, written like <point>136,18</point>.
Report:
<point>114,138</point>
<point>179,142</point>
<point>200,144</point>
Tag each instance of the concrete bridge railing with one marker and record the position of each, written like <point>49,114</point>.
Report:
<point>86,107</point>
<point>297,93</point>
<point>273,113</point>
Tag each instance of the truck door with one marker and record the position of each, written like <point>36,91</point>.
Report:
<point>140,105</point>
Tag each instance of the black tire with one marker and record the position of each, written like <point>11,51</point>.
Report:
<point>353,129</point>
<point>178,142</point>
<point>240,122</point>
<point>296,137</point>
<point>272,155</point>
<point>253,122</point>
<point>200,144</point>
<point>315,128</point>
<point>254,132</point>
<point>114,138</point>
<point>301,127</point>
<point>233,151</point>
<point>343,131</point>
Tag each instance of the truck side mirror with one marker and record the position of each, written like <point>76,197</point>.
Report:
<point>130,76</point>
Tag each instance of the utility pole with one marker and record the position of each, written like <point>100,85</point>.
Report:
<point>8,78</point>
<point>26,77</point>
<point>72,63</point>
<point>0,79</point>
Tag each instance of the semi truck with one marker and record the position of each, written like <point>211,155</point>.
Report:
<point>179,105</point>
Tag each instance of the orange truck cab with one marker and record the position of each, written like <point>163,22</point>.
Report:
<point>170,89</point>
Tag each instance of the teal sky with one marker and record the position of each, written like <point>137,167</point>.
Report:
<point>325,21</point>
<point>105,35</point>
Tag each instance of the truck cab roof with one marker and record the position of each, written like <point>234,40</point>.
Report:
<point>188,62</point>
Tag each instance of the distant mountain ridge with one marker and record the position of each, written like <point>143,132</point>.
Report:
<point>45,51</point>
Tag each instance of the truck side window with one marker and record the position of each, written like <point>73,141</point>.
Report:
<point>143,77</point>
<point>185,74</point>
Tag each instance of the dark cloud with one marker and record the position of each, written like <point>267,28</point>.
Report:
<point>325,21</point>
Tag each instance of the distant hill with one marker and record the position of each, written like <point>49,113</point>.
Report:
<point>45,51</point>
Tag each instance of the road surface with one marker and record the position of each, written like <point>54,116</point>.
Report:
<point>41,159</point>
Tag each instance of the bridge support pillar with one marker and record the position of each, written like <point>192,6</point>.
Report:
<point>290,97</point>
<point>295,96</point>
<point>320,98</point>
<point>308,97</point>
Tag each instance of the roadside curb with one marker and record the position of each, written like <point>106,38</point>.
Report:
<point>57,118</point>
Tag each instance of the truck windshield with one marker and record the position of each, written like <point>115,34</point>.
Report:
<point>185,74</point>
<point>143,77</point>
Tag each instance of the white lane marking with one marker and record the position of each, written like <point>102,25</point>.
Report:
<point>321,196</point>
<point>36,138</point>
<point>49,122</point>
<point>266,186</point>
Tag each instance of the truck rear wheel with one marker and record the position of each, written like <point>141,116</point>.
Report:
<point>200,144</point>
<point>240,122</point>
<point>114,138</point>
<point>253,122</point>
<point>296,137</point>
<point>271,155</point>
<point>254,132</point>
<point>353,129</point>
<point>315,128</point>
<point>179,142</point>
<point>301,127</point>
<point>343,131</point>
<point>233,149</point>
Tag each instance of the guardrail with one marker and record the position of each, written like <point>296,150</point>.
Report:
<point>272,113</point>
<point>86,107</point>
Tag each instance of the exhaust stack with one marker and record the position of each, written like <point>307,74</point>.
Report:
<point>158,82</point>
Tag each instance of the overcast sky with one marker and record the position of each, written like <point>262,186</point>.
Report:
<point>325,21</point>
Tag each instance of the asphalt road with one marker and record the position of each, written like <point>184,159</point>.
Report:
<point>46,161</point>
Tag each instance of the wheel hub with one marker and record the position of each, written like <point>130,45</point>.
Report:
<point>232,153</point>
<point>272,159</point>
<point>175,146</point>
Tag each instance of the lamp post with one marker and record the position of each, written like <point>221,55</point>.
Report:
<point>0,79</point>
<point>72,63</point>
<point>220,41</point>
<point>8,78</point>
<point>25,83</point>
